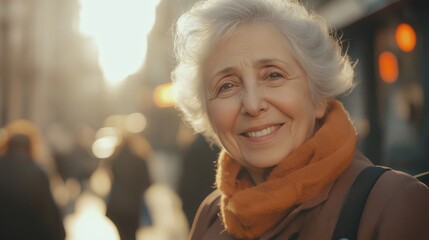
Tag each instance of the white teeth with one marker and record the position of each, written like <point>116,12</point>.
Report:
<point>262,132</point>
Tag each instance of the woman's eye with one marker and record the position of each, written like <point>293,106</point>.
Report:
<point>225,87</point>
<point>275,75</point>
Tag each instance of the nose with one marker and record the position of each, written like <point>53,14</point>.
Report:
<point>253,101</point>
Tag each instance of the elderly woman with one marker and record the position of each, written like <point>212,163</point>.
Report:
<point>259,78</point>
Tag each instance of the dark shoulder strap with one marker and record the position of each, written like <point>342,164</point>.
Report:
<point>351,211</point>
<point>424,178</point>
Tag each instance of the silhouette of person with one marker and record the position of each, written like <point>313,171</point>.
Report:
<point>198,174</point>
<point>72,152</point>
<point>131,178</point>
<point>27,207</point>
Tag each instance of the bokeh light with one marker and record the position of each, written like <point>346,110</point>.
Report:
<point>405,37</point>
<point>104,147</point>
<point>108,132</point>
<point>135,123</point>
<point>163,95</point>
<point>89,221</point>
<point>388,67</point>
<point>100,182</point>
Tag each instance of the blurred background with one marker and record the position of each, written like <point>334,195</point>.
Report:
<point>94,77</point>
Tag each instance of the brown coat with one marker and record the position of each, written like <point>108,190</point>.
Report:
<point>397,208</point>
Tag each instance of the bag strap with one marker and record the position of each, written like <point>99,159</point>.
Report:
<point>351,211</point>
<point>423,177</point>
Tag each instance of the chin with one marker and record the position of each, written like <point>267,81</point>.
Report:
<point>256,163</point>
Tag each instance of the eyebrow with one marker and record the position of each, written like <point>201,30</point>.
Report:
<point>268,61</point>
<point>222,72</point>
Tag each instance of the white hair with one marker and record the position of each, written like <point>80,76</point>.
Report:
<point>330,72</point>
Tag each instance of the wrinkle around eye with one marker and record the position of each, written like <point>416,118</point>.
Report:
<point>227,92</point>
<point>272,76</point>
<point>270,70</point>
<point>279,79</point>
<point>224,89</point>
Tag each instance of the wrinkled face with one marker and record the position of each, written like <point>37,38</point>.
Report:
<point>258,96</point>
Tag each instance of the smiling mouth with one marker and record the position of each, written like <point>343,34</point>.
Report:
<point>262,132</point>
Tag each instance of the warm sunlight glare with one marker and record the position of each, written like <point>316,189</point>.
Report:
<point>89,222</point>
<point>119,29</point>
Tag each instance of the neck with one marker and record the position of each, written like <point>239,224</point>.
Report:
<point>257,175</point>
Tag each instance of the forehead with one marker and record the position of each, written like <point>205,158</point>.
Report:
<point>251,42</point>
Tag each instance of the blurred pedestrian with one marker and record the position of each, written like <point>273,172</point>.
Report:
<point>72,153</point>
<point>130,179</point>
<point>198,174</point>
<point>27,207</point>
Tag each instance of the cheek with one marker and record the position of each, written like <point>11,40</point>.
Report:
<point>291,100</point>
<point>222,115</point>
<point>287,101</point>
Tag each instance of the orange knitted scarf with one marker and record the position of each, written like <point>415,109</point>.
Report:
<point>250,210</point>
